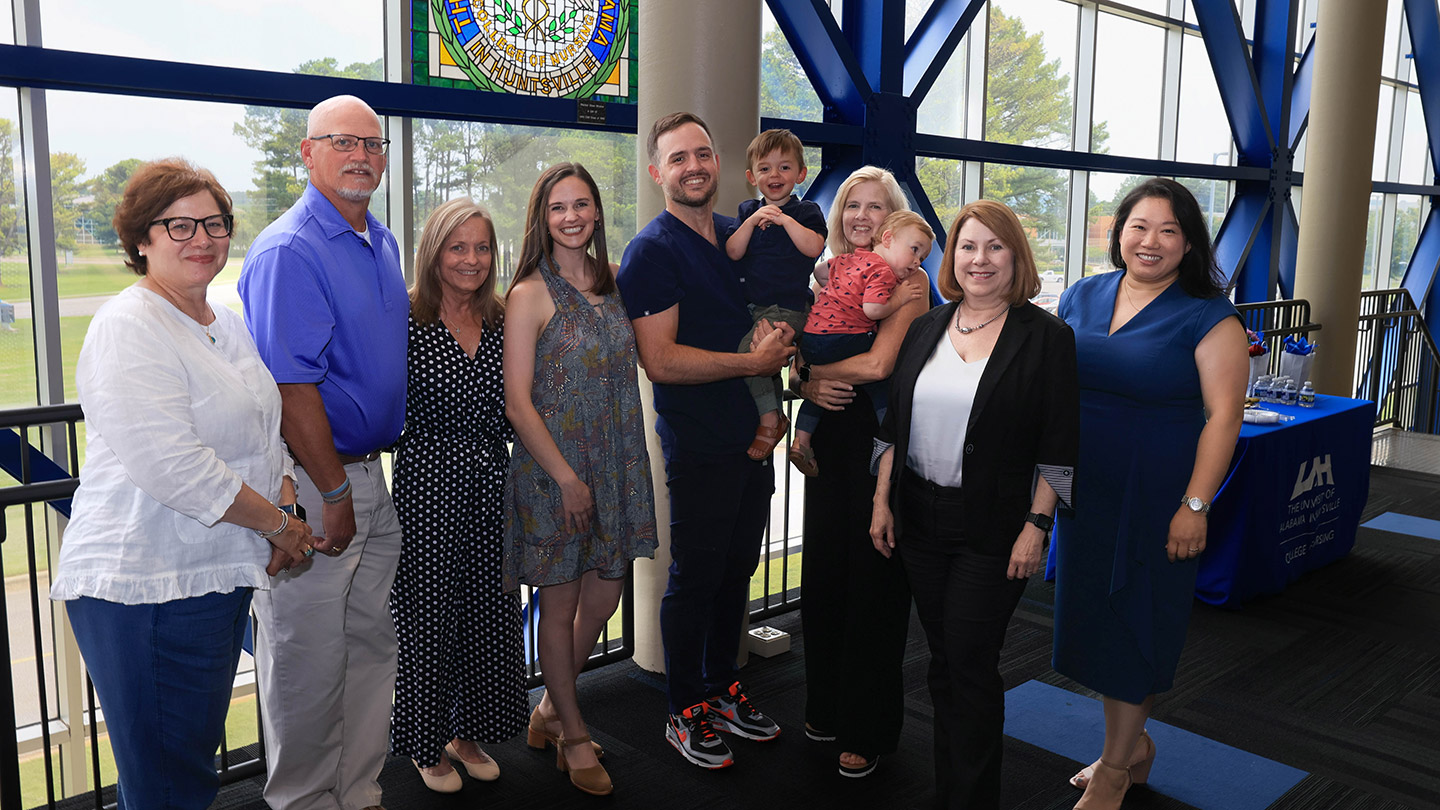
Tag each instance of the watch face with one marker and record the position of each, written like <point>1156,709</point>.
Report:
<point>1196,505</point>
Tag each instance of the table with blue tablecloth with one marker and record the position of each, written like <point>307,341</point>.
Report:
<point>1291,501</point>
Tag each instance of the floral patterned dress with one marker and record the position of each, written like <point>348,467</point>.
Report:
<point>587,393</point>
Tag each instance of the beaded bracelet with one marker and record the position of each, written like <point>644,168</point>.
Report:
<point>284,524</point>
<point>337,494</point>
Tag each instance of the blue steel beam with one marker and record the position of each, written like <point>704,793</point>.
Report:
<point>1273,57</point>
<point>1235,77</point>
<point>1300,95</point>
<point>825,56</point>
<point>52,69</point>
<point>933,43</point>
<point>1424,22</point>
<point>941,146</point>
<point>1235,244</point>
<point>875,30</point>
<point>1419,278</point>
<point>1289,248</point>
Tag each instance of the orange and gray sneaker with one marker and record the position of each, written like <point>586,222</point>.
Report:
<point>734,713</point>
<point>691,733</point>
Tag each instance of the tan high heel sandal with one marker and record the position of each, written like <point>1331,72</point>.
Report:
<point>594,780</point>
<point>537,736</point>
<point>1093,800</point>
<point>1139,766</point>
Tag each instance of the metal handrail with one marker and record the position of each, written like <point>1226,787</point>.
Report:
<point>1397,365</point>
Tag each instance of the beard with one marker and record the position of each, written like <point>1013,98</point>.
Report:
<point>698,198</point>
<point>356,194</point>
<point>352,193</point>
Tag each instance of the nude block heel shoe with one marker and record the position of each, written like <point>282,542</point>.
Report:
<point>594,780</point>
<point>537,737</point>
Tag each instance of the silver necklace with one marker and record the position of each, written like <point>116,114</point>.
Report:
<point>965,330</point>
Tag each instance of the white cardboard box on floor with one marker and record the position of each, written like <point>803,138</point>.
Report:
<point>767,641</point>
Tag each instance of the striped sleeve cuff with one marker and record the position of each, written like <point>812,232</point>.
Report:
<point>1061,479</point>
<point>876,452</point>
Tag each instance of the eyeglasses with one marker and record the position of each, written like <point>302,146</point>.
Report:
<point>347,143</point>
<point>182,229</point>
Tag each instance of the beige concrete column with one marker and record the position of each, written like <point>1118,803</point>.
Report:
<point>703,58</point>
<point>1341,144</point>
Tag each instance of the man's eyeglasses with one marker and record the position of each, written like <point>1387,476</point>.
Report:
<point>347,143</point>
<point>182,229</point>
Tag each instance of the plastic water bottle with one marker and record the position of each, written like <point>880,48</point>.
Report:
<point>1277,390</point>
<point>1289,395</point>
<point>1262,388</point>
<point>1307,395</point>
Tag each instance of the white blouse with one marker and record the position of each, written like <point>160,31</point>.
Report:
<point>944,396</point>
<point>174,424</point>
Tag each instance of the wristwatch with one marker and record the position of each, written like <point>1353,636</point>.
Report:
<point>805,373</point>
<point>1196,505</point>
<point>1042,522</point>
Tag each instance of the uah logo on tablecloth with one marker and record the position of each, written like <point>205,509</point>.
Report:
<point>1318,474</point>
<point>556,48</point>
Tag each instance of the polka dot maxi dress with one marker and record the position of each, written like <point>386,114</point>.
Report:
<point>460,668</point>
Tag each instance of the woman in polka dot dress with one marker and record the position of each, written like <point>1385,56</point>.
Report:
<point>460,679</point>
<point>579,504</point>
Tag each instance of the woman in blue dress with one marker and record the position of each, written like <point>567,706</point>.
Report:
<point>1161,355</point>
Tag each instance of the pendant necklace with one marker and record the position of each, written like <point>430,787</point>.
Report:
<point>965,330</point>
<point>206,327</point>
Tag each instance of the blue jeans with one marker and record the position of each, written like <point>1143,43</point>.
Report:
<point>822,349</point>
<point>718,509</point>
<point>163,674</point>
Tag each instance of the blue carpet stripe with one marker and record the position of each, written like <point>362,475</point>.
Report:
<point>1198,771</point>
<point>1404,524</point>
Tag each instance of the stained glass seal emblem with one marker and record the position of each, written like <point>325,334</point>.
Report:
<point>556,48</point>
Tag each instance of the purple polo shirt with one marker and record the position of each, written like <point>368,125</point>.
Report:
<point>328,308</point>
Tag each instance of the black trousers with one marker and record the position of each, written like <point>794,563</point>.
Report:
<point>855,606</point>
<point>965,603</point>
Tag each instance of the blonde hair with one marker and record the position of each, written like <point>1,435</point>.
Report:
<point>907,219</point>
<point>425,295</point>
<point>837,242</point>
<point>997,216</point>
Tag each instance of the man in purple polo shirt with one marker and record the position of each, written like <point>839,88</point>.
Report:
<point>325,299</point>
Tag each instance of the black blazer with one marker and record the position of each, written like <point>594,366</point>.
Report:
<point>1025,421</point>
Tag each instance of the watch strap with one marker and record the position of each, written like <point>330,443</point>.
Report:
<point>1042,522</point>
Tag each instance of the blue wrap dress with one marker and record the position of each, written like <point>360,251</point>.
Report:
<point>1121,607</point>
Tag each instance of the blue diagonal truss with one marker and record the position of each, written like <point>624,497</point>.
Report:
<point>1419,278</point>
<point>869,80</point>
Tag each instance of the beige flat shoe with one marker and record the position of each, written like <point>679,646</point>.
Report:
<point>486,771</point>
<point>445,783</point>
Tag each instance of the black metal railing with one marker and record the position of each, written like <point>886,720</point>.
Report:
<point>42,485</point>
<point>65,737</point>
<point>1275,321</point>
<point>1396,362</point>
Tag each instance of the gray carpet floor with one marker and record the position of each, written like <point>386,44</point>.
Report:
<point>1339,676</point>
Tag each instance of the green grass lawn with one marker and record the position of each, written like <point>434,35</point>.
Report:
<point>17,388</point>
<point>92,270</point>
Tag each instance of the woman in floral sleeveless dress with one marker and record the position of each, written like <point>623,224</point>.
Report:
<point>579,502</point>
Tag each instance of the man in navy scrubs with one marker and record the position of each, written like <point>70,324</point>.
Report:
<point>689,315</point>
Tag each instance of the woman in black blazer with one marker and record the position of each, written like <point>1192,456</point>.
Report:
<point>983,421</point>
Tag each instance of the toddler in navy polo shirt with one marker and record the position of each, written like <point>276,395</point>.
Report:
<point>775,264</point>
